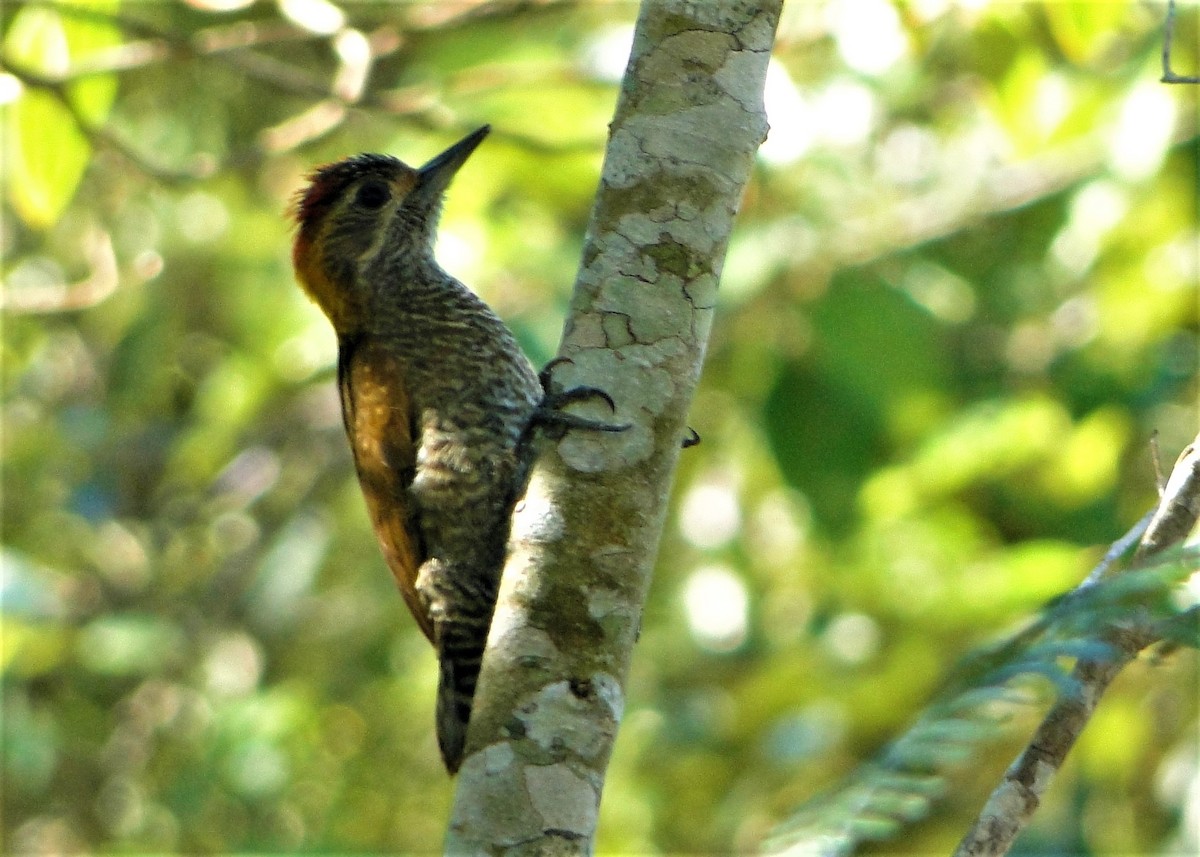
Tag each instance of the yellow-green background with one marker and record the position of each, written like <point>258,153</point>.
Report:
<point>960,299</point>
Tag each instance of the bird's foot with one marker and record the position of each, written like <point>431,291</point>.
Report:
<point>549,412</point>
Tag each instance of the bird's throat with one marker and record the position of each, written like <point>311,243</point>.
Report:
<point>332,297</point>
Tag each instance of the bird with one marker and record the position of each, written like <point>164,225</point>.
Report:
<point>438,400</point>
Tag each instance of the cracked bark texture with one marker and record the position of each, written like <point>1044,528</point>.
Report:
<point>585,536</point>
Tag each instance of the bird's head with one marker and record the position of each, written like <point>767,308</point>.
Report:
<point>353,209</point>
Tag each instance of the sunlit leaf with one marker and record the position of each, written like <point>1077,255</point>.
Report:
<point>47,152</point>
<point>1084,29</point>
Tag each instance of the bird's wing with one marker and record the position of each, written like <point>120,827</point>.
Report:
<point>378,416</point>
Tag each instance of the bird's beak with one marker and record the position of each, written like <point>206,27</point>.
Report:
<point>435,176</point>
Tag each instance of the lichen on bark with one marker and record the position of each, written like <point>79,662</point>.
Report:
<point>551,693</point>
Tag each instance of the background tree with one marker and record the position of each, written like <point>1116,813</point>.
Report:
<point>960,298</point>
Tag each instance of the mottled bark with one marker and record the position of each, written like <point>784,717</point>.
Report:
<point>551,695</point>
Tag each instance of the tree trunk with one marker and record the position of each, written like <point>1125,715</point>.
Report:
<point>584,540</point>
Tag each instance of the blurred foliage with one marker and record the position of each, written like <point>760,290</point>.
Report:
<point>989,688</point>
<point>960,299</point>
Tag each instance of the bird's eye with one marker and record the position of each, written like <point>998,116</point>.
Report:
<point>373,195</point>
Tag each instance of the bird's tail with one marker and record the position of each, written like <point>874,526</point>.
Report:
<point>460,652</point>
<point>460,604</point>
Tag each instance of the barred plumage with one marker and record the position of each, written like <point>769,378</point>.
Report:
<point>436,396</point>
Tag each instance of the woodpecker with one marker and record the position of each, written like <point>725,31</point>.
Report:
<point>438,400</point>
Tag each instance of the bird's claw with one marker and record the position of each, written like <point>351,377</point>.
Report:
<point>546,376</point>
<point>554,401</point>
<point>548,416</point>
<point>549,412</point>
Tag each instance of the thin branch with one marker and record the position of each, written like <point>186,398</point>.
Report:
<point>1117,550</point>
<point>102,137</point>
<point>918,219</point>
<point>1169,76</point>
<point>101,281</point>
<point>334,99</point>
<point>1017,798</point>
<point>1179,508</point>
<point>154,43</point>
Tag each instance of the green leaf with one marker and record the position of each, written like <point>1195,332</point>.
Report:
<point>1084,30</point>
<point>36,41</point>
<point>93,94</point>
<point>46,151</point>
<point>47,154</point>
